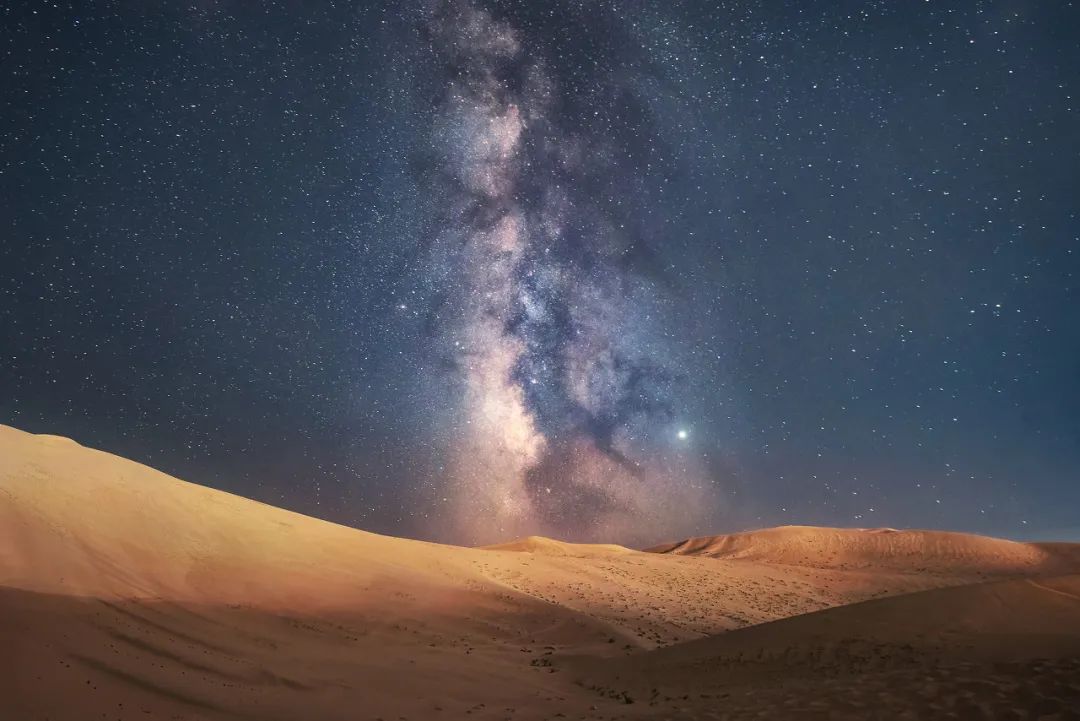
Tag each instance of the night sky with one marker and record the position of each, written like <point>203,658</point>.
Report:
<point>619,271</point>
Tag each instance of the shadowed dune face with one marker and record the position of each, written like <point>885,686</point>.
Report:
<point>125,592</point>
<point>946,653</point>
<point>84,658</point>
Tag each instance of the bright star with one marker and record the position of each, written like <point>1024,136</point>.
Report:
<point>683,434</point>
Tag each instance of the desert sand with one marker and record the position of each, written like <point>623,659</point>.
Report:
<point>128,594</point>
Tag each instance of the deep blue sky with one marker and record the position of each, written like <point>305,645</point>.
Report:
<point>835,243</point>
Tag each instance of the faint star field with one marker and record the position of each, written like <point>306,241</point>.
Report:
<point>614,271</point>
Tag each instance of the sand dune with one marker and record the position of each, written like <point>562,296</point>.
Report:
<point>126,593</point>
<point>974,651</point>
<point>882,549</point>
<point>551,547</point>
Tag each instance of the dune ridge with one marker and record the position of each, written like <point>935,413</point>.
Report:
<point>909,550</point>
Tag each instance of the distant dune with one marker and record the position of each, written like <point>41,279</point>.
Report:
<point>551,547</point>
<point>128,594</point>
<point>882,549</point>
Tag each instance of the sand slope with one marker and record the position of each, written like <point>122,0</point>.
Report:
<point>126,593</point>
<point>974,651</point>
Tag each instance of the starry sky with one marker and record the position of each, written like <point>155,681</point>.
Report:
<point>606,270</point>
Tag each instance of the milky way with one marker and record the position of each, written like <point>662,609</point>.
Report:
<point>567,414</point>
